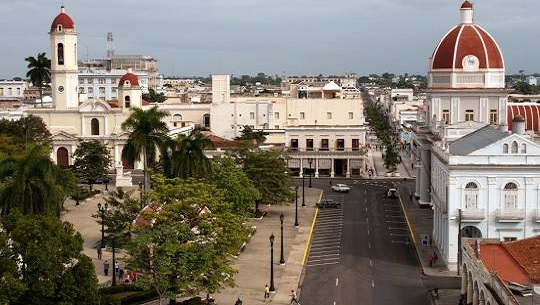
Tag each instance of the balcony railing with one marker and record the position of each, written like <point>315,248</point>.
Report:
<point>471,215</point>
<point>358,150</point>
<point>510,215</point>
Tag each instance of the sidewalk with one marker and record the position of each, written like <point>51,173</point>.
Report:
<point>81,218</point>
<point>253,264</point>
<point>376,162</point>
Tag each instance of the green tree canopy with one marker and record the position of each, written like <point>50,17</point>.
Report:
<point>92,160</point>
<point>147,134</point>
<point>39,72</point>
<point>184,248</point>
<point>184,156</point>
<point>269,173</point>
<point>52,269</point>
<point>153,97</point>
<point>252,137</point>
<point>18,136</point>
<point>229,177</point>
<point>33,184</point>
<point>122,209</point>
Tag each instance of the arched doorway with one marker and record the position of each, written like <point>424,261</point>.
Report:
<point>471,232</point>
<point>126,164</point>
<point>206,120</point>
<point>62,157</point>
<point>94,126</point>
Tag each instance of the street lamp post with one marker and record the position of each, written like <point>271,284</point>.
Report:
<point>102,209</point>
<point>303,191</point>
<point>281,259</point>
<point>113,262</point>
<point>141,194</point>
<point>272,288</point>
<point>310,160</point>
<point>296,208</point>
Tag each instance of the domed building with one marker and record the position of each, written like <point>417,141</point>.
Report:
<point>479,179</point>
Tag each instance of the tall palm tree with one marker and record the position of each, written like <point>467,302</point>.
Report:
<point>39,72</point>
<point>184,156</point>
<point>148,132</point>
<point>33,184</point>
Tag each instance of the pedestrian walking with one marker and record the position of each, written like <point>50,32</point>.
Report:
<point>266,292</point>
<point>106,268</point>
<point>294,298</point>
<point>116,268</point>
<point>134,276</point>
<point>99,252</point>
<point>120,274</point>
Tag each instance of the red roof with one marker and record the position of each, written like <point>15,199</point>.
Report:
<point>64,20</point>
<point>497,259</point>
<point>131,78</point>
<point>526,252</point>
<point>530,112</point>
<point>463,40</point>
<point>466,5</point>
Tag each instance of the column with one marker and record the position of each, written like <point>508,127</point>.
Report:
<point>475,297</point>
<point>301,167</point>
<point>469,291</point>
<point>332,168</point>
<point>117,158</point>
<point>463,290</point>
<point>316,167</point>
<point>425,195</point>
<point>348,173</point>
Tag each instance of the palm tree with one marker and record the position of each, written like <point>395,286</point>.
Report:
<point>34,184</point>
<point>39,72</point>
<point>184,157</point>
<point>148,132</point>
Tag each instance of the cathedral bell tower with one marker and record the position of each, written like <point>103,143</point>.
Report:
<point>64,70</point>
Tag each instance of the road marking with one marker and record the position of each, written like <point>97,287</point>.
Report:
<point>311,232</point>
<point>322,264</point>
<point>367,220</point>
<point>394,221</point>
<point>365,191</point>
<point>368,232</point>
<point>337,283</point>
<point>369,245</point>
<point>366,208</point>
<point>394,228</point>
<point>373,283</point>
<point>371,263</point>
<point>392,234</point>
<point>334,302</point>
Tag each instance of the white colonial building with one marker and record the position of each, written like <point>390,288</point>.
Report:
<point>324,134</point>
<point>480,180</point>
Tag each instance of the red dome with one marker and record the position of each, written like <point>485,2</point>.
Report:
<point>64,20</point>
<point>129,77</point>
<point>466,4</point>
<point>463,40</point>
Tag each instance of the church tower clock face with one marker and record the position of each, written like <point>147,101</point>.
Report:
<point>470,62</point>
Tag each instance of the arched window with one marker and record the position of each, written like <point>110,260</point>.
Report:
<point>127,101</point>
<point>94,127</point>
<point>59,28</point>
<point>60,51</point>
<point>523,148</point>
<point>62,157</point>
<point>514,147</point>
<point>206,120</point>
<point>505,148</point>
<point>177,117</point>
<point>471,196</point>
<point>510,193</point>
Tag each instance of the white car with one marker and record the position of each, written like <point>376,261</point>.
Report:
<point>340,187</point>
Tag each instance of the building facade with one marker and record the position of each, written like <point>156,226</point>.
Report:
<point>480,180</point>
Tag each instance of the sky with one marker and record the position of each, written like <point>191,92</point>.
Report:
<point>291,37</point>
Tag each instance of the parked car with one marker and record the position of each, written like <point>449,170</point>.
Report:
<point>327,203</point>
<point>340,187</point>
<point>392,193</point>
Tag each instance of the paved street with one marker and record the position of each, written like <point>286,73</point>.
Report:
<point>358,252</point>
<point>376,262</point>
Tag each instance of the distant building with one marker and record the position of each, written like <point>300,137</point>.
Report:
<point>12,90</point>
